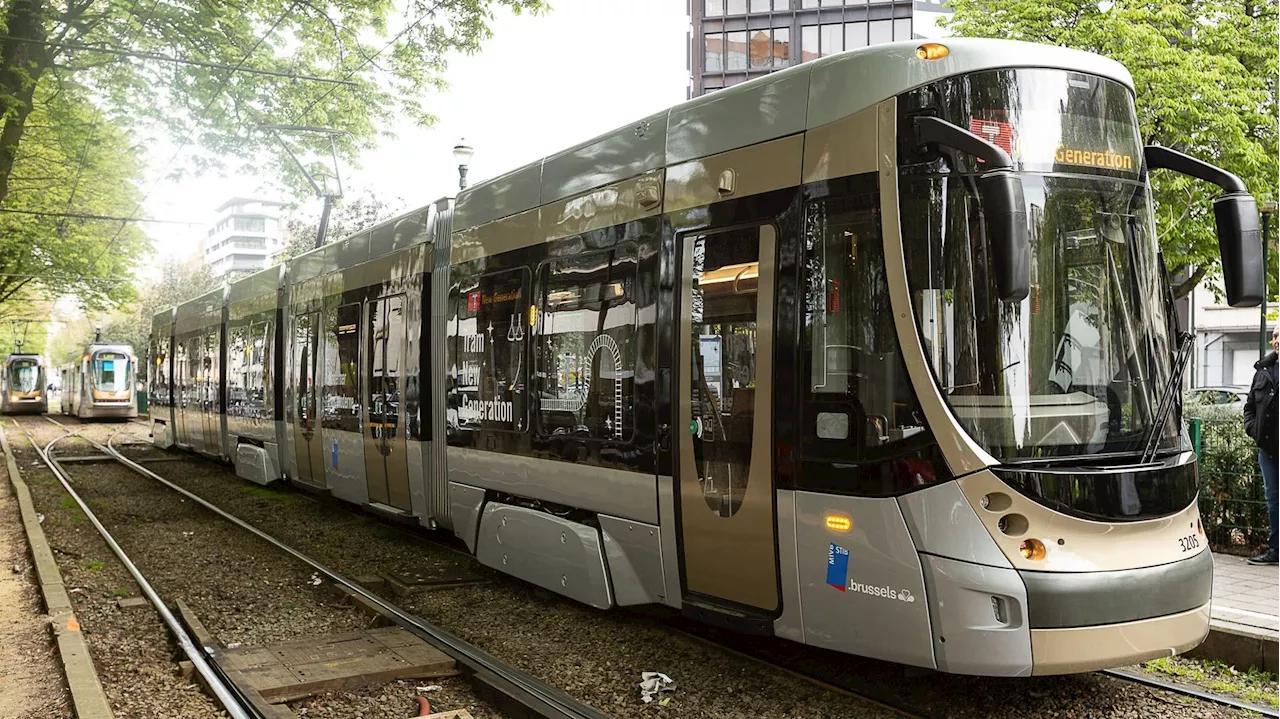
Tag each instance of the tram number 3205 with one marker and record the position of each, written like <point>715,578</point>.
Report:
<point>1189,543</point>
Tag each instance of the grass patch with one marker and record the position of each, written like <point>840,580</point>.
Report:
<point>1254,686</point>
<point>94,565</point>
<point>266,493</point>
<point>120,592</point>
<point>287,606</point>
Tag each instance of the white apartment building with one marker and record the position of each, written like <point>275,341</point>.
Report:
<point>244,238</point>
<point>1226,339</point>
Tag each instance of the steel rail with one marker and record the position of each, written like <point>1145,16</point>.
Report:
<point>532,694</point>
<point>223,690</point>
<point>1186,690</point>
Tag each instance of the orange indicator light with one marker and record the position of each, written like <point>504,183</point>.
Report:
<point>932,51</point>
<point>839,523</point>
<point>1032,549</point>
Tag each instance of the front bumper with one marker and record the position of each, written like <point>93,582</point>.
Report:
<point>1086,649</point>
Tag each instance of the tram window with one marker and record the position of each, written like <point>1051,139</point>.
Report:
<point>486,351</point>
<point>263,344</point>
<point>586,352</point>
<point>341,400</point>
<point>238,364</point>
<point>159,375</point>
<point>859,405</point>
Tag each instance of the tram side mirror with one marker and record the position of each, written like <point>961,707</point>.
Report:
<point>1236,217</point>
<point>1005,212</point>
<point>1002,202</point>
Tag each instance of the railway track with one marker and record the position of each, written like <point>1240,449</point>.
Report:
<point>515,692</point>
<point>889,696</point>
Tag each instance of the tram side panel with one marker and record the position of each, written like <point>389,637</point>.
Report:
<point>358,367</point>
<point>551,329</point>
<point>252,376</point>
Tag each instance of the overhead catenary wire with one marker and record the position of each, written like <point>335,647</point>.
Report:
<point>91,216</point>
<point>142,55</point>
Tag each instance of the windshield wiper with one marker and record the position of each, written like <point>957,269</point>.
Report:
<point>1185,343</point>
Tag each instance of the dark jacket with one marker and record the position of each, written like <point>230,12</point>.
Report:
<point>1260,407</point>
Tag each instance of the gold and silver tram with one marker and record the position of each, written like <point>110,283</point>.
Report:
<point>874,354</point>
<point>101,384</point>
<point>24,389</point>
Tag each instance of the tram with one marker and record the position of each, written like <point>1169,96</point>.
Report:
<point>875,353</point>
<point>24,385</point>
<point>101,384</point>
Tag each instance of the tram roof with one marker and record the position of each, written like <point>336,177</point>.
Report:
<point>782,103</point>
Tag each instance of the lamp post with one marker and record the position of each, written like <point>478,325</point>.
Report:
<point>462,152</point>
<point>1268,209</point>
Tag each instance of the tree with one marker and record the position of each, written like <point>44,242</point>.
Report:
<point>178,283</point>
<point>212,73</point>
<point>1205,74</point>
<point>361,213</point>
<point>75,169</point>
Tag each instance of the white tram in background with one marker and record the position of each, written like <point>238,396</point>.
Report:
<point>23,390</point>
<point>101,384</point>
<point>874,353</point>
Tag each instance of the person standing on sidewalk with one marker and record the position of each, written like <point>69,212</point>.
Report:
<point>1260,424</point>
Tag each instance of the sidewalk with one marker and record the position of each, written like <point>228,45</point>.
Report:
<point>1246,594</point>
<point>1245,623</point>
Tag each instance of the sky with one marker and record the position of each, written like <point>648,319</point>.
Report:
<point>616,61</point>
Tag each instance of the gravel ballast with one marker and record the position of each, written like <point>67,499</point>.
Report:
<point>243,590</point>
<point>598,656</point>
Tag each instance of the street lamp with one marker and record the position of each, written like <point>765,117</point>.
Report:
<point>462,152</point>
<point>1268,209</point>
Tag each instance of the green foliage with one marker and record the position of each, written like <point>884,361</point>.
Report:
<point>221,111</point>
<point>1206,79</point>
<point>71,161</point>
<point>1232,507</point>
<point>131,325</point>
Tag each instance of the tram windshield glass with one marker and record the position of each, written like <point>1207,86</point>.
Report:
<point>110,372</point>
<point>24,376</point>
<point>1079,366</point>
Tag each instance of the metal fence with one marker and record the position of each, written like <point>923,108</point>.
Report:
<point>1232,506</point>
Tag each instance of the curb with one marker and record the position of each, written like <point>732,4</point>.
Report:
<point>87,695</point>
<point>1240,646</point>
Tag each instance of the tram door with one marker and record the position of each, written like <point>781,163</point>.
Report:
<point>181,381</point>
<point>306,428</point>
<point>210,410</point>
<point>724,409</point>
<point>385,460</point>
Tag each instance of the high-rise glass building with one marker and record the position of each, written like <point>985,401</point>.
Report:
<point>732,41</point>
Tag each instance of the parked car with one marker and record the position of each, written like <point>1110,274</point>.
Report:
<point>1226,396</point>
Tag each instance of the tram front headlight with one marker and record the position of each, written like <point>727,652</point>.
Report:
<point>1032,549</point>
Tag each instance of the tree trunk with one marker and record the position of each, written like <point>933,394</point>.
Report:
<point>1183,288</point>
<point>21,65</point>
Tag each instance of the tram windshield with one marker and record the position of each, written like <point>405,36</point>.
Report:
<point>1079,366</point>
<point>110,372</point>
<point>24,376</point>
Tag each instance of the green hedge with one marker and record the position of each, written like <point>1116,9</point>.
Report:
<point>1232,506</point>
